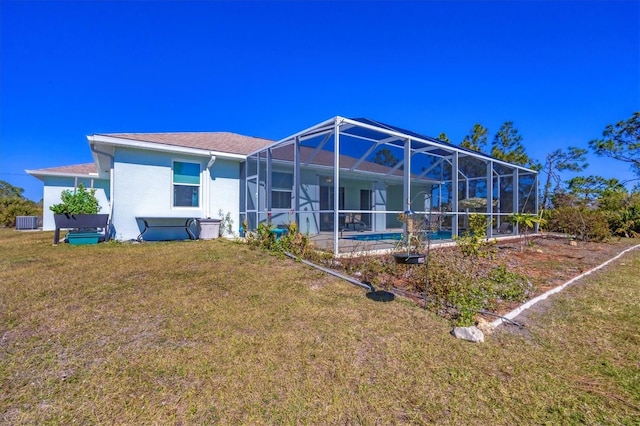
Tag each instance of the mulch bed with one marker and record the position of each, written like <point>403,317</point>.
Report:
<point>547,260</point>
<point>551,260</point>
<point>549,263</point>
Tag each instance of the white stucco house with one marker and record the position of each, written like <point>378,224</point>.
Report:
<point>158,175</point>
<point>336,178</point>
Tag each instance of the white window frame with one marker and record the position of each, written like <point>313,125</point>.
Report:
<point>173,184</point>
<point>281,190</point>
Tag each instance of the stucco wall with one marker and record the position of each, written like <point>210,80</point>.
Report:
<point>143,187</point>
<point>224,193</point>
<point>53,187</point>
<point>310,200</point>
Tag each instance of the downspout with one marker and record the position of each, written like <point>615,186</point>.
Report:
<point>208,180</point>
<point>92,145</point>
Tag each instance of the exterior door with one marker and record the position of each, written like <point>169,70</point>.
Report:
<point>326,203</point>
<point>366,204</point>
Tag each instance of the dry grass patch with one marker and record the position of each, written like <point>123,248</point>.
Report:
<point>210,331</point>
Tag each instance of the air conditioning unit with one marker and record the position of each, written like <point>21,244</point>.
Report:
<point>26,222</point>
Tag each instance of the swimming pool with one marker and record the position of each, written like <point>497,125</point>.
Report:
<point>395,236</point>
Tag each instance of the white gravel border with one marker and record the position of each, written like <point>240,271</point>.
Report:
<point>511,315</point>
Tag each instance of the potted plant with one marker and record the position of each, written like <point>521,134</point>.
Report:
<point>411,256</point>
<point>79,210</point>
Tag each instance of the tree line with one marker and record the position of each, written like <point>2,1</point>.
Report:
<point>589,207</point>
<point>13,203</point>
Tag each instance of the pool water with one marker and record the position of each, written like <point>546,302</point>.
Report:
<point>396,236</point>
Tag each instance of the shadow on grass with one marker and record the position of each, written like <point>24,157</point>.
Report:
<point>380,296</point>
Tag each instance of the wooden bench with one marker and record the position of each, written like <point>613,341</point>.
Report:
<point>161,223</point>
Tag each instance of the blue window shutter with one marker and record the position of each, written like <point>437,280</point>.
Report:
<point>188,173</point>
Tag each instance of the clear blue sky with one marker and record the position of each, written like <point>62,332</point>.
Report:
<point>560,70</point>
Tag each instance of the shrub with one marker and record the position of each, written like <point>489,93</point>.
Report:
<point>508,286</point>
<point>376,270</point>
<point>82,201</point>
<point>11,207</point>
<point>472,241</point>
<point>292,241</point>
<point>622,212</point>
<point>525,223</point>
<point>226,223</point>
<point>579,222</point>
<point>460,286</point>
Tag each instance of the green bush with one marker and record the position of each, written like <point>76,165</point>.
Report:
<point>11,207</point>
<point>80,201</point>
<point>625,222</point>
<point>622,211</point>
<point>292,241</point>
<point>473,240</point>
<point>375,270</point>
<point>460,286</point>
<point>508,286</point>
<point>579,222</point>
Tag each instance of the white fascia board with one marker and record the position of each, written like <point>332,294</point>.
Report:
<point>40,173</point>
<point>152,146</point>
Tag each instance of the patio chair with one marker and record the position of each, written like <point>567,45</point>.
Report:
<point>504,228</point>
<point>353,222</point>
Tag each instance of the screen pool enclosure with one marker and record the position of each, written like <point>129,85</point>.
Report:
<point>394,236</point>
<point>347,178</point>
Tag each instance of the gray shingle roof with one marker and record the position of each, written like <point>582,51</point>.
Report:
<point>76,169</point>
<point>232,143</point>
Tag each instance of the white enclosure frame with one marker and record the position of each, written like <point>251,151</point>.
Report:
<point>345,149</point>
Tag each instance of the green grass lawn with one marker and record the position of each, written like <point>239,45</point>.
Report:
<point>203,332</point>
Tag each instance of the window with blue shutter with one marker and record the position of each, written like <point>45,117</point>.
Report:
<point>186,184</point>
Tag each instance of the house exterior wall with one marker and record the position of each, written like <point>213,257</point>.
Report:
<point>310,183</point>
<point>143,187</point>
<point>53,187</point>
<point>224,194</point>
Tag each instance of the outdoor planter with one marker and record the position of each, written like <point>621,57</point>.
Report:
<point>409,258</point>
<point>209,228</point>
<point>83,238</point>
<point>79,210</point>
<point>79,221</point>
